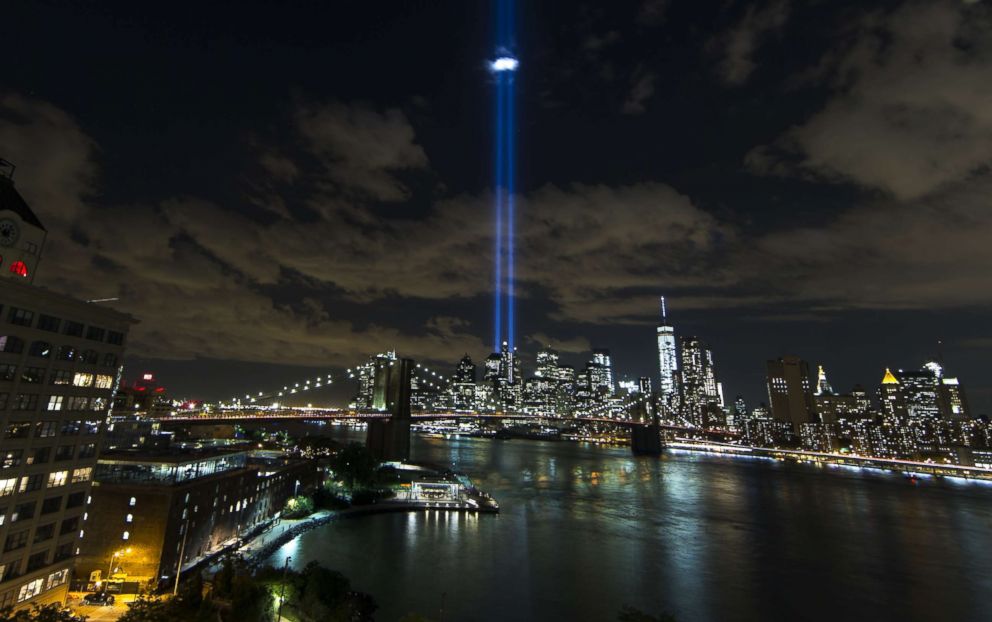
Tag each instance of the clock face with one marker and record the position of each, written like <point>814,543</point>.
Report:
<point>9,232</point>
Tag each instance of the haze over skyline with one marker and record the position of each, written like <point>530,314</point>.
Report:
<point>267,191</point>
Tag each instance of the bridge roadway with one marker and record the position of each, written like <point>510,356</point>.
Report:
<point>316,414</point>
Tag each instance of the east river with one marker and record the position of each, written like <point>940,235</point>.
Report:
<point>584,530</point>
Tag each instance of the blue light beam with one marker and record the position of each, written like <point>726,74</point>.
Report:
<point>503,67</point>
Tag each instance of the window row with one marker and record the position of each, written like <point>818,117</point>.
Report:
<point>44,350</point>
<point>28,402</point>
<point>12,458</point>
<point>11,570</point>
<point>36,375</point>
<point>37,481</point>
<point>24,317</point>
<point>49,429</point>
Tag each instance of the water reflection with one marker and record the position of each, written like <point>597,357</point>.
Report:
<point>586,529</point>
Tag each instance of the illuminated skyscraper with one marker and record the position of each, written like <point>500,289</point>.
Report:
<point>366,378</point>
<point>503,371</point>
<point>822,384</point>
<point>700,395</point>
<point>921,394</point>
<point>667,362</point>
<point>601,372</point>
<point>790,393</point>
<point>463,387</point>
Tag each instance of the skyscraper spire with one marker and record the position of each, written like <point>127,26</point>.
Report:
<point>667,363</point>
<point>822,384</point>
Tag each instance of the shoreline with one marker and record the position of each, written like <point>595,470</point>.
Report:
<point>324,517</point>
<point>797,456</point>
<point>912,470</point>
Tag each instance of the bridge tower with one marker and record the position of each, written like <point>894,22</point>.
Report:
<point>390,439</point>
<point>646,439</point>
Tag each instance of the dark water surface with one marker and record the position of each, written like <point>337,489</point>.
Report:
<point>585,530</point>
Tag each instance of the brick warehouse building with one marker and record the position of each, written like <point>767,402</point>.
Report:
<point>158,506</point>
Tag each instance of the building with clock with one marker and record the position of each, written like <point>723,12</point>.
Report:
<point>61,361</point>
<point>22,236</point>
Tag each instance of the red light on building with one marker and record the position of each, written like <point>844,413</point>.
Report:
<point>19,268</point>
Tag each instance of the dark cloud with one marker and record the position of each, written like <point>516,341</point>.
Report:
<point>56,158</point>
<point>576,345</point>
<point>912,104</point>
<point>738,46</point>
<point>652,12</point>
<point>641,91</point>
<point>362,148</point>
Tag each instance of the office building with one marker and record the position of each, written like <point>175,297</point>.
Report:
<point>60,363</point>
<point>700,396</point>
<point>790,393</point>
<point>667,363</point>
<point>601,373</point>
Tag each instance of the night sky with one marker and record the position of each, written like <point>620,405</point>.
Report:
<point>276,190</point>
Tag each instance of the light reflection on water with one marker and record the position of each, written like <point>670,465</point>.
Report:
<point>586,529</point>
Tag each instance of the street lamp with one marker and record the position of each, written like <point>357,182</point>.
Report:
<point>282,590</point>
<point>110,567</point>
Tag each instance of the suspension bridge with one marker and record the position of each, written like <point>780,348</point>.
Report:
<point>389,418</point>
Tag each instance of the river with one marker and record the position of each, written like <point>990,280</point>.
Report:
<point>584,530</point>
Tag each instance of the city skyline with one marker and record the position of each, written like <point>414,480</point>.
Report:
<point>739,224</point>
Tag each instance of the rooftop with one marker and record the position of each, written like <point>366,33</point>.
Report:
<point>11,199</point>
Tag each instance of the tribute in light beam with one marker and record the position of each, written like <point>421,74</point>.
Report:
<point>504,63</point>
<point>503,67</point>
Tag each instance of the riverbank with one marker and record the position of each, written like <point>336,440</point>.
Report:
<point>909,467</point>
<point>701,536</point>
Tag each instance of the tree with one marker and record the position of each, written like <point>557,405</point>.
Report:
<point>355,464</point>
<point>298,507</point>
<point>52,612</point>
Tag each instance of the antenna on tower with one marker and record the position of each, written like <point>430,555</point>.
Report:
<point>664,314</point>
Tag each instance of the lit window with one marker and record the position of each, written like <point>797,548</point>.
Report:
<point>57,478</point>
<point>129,518</point>
<point>83,380</point>
<point>127,534</point>
<point>132,502</point>
<point>29,590</point>
<point>81,475</point>
<point>55,402</point>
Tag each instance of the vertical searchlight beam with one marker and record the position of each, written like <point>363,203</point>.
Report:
<point>503,68</point>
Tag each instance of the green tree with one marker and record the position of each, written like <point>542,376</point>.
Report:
<point>298,507</point>
<point>355,464</point>
<point>146,608</point>
<point>52,612</point>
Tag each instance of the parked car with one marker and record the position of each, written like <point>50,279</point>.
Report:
<point>99,598</point>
